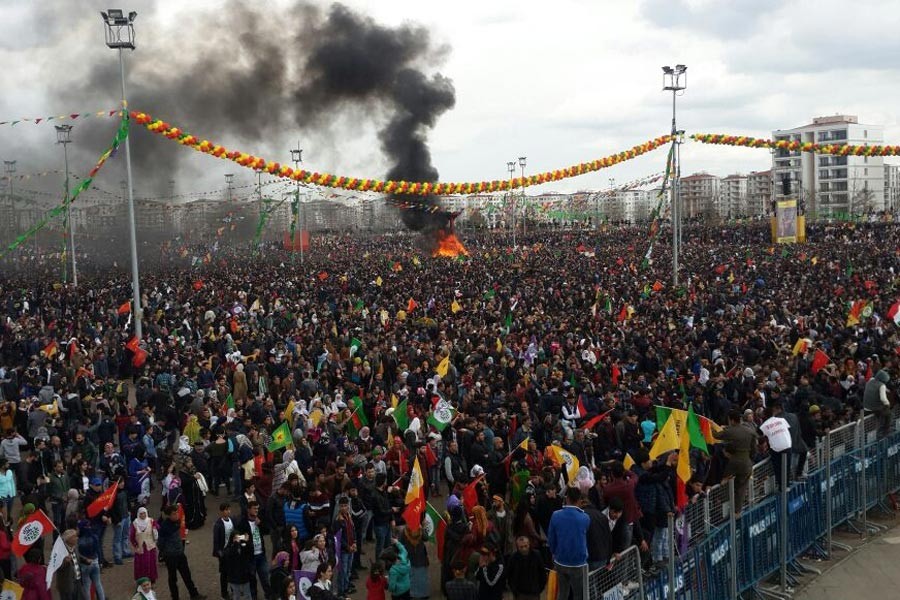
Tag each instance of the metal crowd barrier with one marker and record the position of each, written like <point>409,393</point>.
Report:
<point>850,472</point>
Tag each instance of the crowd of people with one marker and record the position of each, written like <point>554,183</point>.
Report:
<point>378,356</point>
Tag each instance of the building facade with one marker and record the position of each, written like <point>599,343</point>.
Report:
<point>759,193</point>
<point>699,195</point>
<point>826,185</point>
<point>732,199</point>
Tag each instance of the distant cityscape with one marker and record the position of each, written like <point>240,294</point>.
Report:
<point>824,186</point>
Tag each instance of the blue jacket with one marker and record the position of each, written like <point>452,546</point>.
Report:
<point>567,536</point>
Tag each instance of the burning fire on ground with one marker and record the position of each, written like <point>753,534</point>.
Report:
<point>448,245</point>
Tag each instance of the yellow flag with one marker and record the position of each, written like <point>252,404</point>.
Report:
<point>628,462</point>
<point>401,315</point>
<point>499,345</point>
<point>378,281</point>
<point>566,459</point>
<point>443,366</point>
<point>684,455</point>
<point>801,346</point>
<point>815,259</point>
<point>255,306</point>
<point>12,590</point>
<point>414,491</point>
<point>669,437</point>
<point>455,307</point>
<point>416,261</point>
<point>524,445</point>
<point>384,316</point>
<point>289,413</point>
<point>316,417</point>
<point>394,400</point>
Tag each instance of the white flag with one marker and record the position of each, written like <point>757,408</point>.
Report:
<point>57,555</point>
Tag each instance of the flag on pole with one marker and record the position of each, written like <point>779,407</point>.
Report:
<point>820,359</point>
<point>593,422</point>
<point>355,345</point>
<point>57,555</point>
<point>455,307</point>
<point>470,495</point>
<point>411,305</point>
<point>357,417</point>
<point>582,411</point>
<point>443,366</point>
<point>441,415</point>
<point>565,459</point>
<point>229,401</point>
<point>435,528</point>
<point>415,498</point>
<point>124,308</point>
<point>523,445</point>
<point>32,529</point>
<point>50,350</point>
<point>401,415</point>
<point>893,313</point>
<point>103,502</point>
<point>628,462</point>
<point>281,437</point>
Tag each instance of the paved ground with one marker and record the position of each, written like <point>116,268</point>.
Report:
<point>869,572</point>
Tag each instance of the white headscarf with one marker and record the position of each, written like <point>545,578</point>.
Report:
<point>142,521</point>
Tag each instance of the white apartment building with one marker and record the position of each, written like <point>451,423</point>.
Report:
<point>732,199</point>
<point>699,195</point>
<point>826,185</point>
<point>892,187</point>
<point>759,193</point>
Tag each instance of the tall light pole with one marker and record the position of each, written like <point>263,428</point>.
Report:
<point>524,207</point>
<point>229,178</point>
<point>511,166</point>
<point>297,157</point>
<point>675,80</point>
<point>119,36</point>
<point>62,137</point>
<point>10,170</point>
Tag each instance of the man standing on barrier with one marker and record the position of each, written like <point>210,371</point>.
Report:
<point>777,432</point>
<point>740,441</point>
<point>875,401</point>
<point>567,539</point>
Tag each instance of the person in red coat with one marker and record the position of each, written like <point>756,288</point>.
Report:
<point>32,577</point>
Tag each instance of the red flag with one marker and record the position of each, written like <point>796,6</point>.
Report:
<point>33,529</point>
<point>470,495</point>
<point>582,411</point>
<point>103,502</point>
<point>124,308</point>
<point>513,426</point>
<point>820,359</point>
<point>623,314</point>
<point>681,498</point>
<point>411,305</point>
<point>593,422</point>
<point>869,371</point>
<point>139,358</point>
<point>198,285</point>
<point>50,349</point>
<point>70,350</point>
<point>132,344</point>
<point>616,373</point>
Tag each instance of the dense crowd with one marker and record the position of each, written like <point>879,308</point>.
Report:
<point>516,348</point>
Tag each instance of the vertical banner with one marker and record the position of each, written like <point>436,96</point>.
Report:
<point>786,222</point>
<point>300,238</point>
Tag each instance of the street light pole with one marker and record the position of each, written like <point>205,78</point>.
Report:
<point>62,137</point>
<point>10,168</point>
<point>524,207</point>
<point>297,157</point>
<point>511,166</point>
<point>119,36</point>
<point>229,177</point>
<point>672,81</point>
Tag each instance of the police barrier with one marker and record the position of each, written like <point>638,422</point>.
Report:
<point>863,469</point>
<point>621,579</point>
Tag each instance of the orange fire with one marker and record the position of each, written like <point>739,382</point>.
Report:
<point>449,246</point>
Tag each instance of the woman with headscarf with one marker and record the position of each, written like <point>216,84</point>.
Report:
<point>315,555</point>
<point>280,571</point>
<point>144,590</point>
<point>143,536</point>
<point>73,506</point>
<point>32,577</point>
<point>419,586</point>
<point>284,469</point>
<point>239,392</point>
<point>457,529</point>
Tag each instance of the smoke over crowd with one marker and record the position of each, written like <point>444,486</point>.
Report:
<point>246,73</point>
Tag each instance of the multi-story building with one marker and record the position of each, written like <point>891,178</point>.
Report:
<point>732,199</point>
<point>759,193</point>
<point>892,187</point>
<point>827,185</point>
<point>699,195</point>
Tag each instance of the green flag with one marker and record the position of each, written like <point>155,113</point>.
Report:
<point>662,415</point>
<point>608,305</point>
<point>694,431</point>
<point>355,345</point>
<point>519,483</point>
<point>358,418</point>
<point>229,401</point>
<point>401,416</point>
<point>508,323</point>
<point>281,437</point>
<point>489,294</point>
<point>442,415</point>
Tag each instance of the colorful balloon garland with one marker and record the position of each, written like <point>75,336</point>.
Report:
<point>795,146</point>
<point>388,187</point>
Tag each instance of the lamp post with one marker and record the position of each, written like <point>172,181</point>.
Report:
<point>675,80</point>
<point>524,207</point>
<point>10,169</point>
<point>229,178</point>
<point>511,166</point>
<point>119,36</point>
<point>62,137</point>
<point>297,157</point>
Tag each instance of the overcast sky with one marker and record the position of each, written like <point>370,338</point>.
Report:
<point>559,82</point>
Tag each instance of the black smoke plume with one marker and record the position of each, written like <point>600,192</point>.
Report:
<point>245,73</point>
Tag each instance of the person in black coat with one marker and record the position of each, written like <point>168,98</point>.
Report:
<point>238,559</point>
<point>491,574</point>
<point>599,537</point>
<point>222,530</point>
<point>525,571</point>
